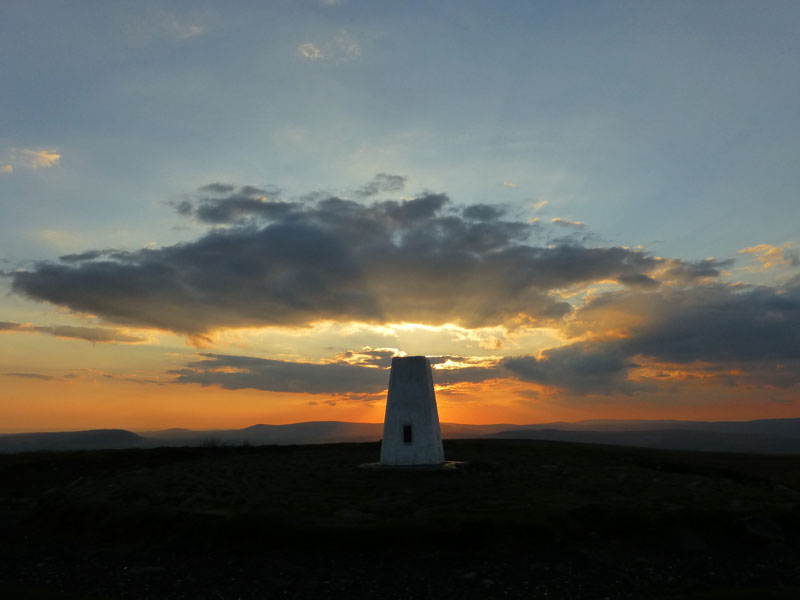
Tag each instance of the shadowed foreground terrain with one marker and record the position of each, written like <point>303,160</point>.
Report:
<point>524,519</point>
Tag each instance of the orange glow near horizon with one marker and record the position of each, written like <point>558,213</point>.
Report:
<point>127,387</point>
<point>38,405</point>
<point>30,406</point>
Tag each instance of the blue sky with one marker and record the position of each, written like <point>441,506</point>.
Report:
<point>673,126</point>
<point>669,122</point>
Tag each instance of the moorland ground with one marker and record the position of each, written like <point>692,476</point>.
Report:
<point>522,519</point>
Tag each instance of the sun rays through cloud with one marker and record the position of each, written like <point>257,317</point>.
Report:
<point>256,209</point>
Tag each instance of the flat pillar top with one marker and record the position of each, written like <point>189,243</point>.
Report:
<point>409,360</point>
<point>409,368</point>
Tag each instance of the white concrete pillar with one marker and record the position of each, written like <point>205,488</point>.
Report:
<point>411,434</point>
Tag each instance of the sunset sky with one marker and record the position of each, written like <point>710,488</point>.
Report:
<point>220,214</point>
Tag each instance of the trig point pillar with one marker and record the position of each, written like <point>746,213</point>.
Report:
<point>411,434</point>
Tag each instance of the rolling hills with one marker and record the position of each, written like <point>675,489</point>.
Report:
<point>770,436</point>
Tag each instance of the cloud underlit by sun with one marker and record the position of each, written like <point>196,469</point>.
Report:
<point>582,211</point>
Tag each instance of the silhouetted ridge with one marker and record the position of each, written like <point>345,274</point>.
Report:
<point>674,439</point>
<point>771,436</point>
<point>93,439</point>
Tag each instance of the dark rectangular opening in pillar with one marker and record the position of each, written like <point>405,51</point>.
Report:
<point>407,434</point>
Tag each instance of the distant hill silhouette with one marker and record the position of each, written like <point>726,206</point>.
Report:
<point>771,436</point>
<point>93,439</point>
<point>668,439</point>
<point>311,432</point>
<point>785,427</point>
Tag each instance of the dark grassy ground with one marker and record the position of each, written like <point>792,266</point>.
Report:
<point>524,519</point>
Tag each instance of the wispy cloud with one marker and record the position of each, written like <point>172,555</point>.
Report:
<point>100,335</point>
<point>31,376</point>
<point>538,205</point>
<point>309,51</point>
<point>145,24</point>
<point>773,256</point>
<point>382,182</point>
<point>27,158</point>
<point>567,223</point>
<point>37,159</point>
<point>509,185</point>
<point>180,28</point>
<point>60,239</point>
<point>340,48</point>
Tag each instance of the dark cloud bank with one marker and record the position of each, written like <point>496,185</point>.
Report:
<point>271,262</point>
<point>292,263</point>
